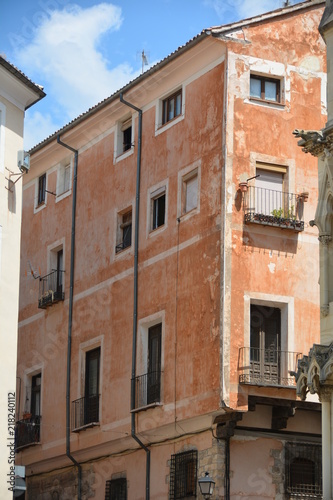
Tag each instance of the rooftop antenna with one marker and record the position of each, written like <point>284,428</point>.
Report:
<point>286,3</point>
<point>144,60</point>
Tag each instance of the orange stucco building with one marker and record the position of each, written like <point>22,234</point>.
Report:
<point>167,272</point>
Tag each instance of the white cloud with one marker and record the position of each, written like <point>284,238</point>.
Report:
<point>37,127</point>
<point>64,56</point>
<point>243,8</point>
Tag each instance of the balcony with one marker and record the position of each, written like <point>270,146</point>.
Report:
<point>267,367</point>
<point>274,208</point>
<point>85,412</point>
<point>51,289</point>
<point>147,389</point>
<point>27,432</point>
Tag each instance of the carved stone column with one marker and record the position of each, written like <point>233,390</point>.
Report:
<point>325,396</point>
<point>324,241</point>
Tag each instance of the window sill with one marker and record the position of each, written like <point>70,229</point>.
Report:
<point>162,128</point>
<point>186,215</point>
<point>146,407</point>
<point>63,195</point>
<point>257,100</point>
<point>124,251</point>
<point>86,426</point>
<point>159,229</point>
<point>39,207</point>
<point>125,154</point>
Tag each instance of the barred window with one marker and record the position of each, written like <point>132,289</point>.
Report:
<point>183,475</point>
<point>303,470</point>
<point>116,489</point>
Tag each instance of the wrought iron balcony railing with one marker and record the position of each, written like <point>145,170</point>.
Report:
<point>147,389</point>
<point>27,432</point>
<point>268,367</point>
<point>274,208</point>
<point>51,289</point>
<point>85,412</point>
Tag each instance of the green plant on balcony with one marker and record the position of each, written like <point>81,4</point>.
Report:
<point>280,213</point>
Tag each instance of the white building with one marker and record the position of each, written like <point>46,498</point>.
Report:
<point>17,93</point>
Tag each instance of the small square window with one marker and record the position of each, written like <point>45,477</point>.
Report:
<point>157,208</point>
<point>41,189</point>
<point>116,489</point>
<point>183,475</point>
<point>266,89</point>
<point>172,107</point>
<point>190,191</point>
<point>124,230</point>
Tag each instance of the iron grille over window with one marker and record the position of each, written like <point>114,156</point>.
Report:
<point>303,470</point>
<point>116,489</point>
<point>183,475</point>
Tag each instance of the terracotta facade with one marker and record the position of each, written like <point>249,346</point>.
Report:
<point>210,393</point>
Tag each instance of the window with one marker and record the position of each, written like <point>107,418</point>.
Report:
<point>116,489</point>
<point>172,107</point>
<point>154,364</point>
<point>267,89</point>
<point>124,136</point>
<point>190,192</point>
<point>183,475</point>
<point>269,190</point>
<point>127,136</point>
<point>157,208</point>
<point>91,392</point>
<point>63,179</point>
<point>41,189</point>
<point>303,470</point>
<point>265,342</point>
<point>36,382</point>
<point>124,232</point>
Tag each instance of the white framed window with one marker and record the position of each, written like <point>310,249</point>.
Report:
<point>64,180</point>
<point>170,109</point>
<point>269,338</point>
<point>150,360</point>
<point>124,138</point>
<point>157,207</point>
<point>86,410</point>
<point>40,192</point>
<point>189,190</point>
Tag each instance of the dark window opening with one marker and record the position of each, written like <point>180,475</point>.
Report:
<point>154,363</point>
<point>125,231</point>
<point>36,382</point>
<point>172,107</point>
<point>41,189</point>
<point>91,406</point>
<point>127,139</point>
<point>303,470</point>
<point>158,211</point>
<point>265,343</point>
<point>183,475</point>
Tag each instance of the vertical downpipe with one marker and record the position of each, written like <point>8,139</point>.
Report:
<point>70,319</point>
<point>135,303</point>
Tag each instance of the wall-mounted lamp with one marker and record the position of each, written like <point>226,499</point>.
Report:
<point>206,485</point>
<point>243,186</point>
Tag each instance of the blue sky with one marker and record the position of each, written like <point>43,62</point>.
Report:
<point>82,51</point>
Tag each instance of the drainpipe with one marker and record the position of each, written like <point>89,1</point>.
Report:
<point>135,303</point>
<point>70,319</point>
